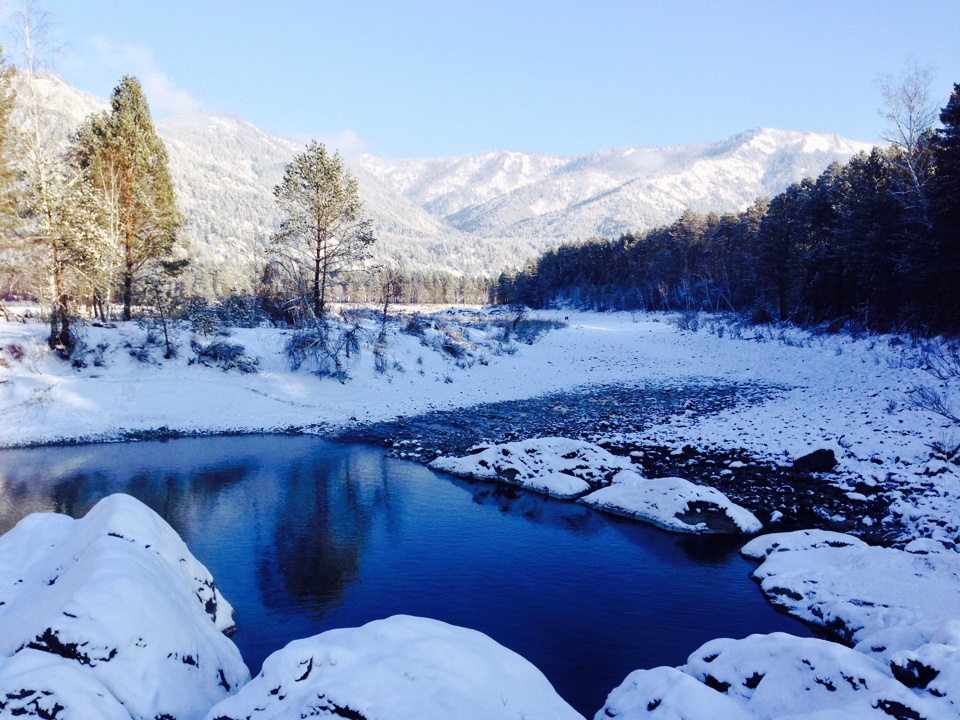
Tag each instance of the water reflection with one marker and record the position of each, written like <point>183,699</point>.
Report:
<point>319,534</point>
<point>303,535</point>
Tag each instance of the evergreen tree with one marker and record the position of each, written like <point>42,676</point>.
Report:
<point>323,234</point>
<point>946,212</point>
<point>122,156</point>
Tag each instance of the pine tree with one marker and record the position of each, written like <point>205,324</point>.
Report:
<point>323,233</point>
<point>946,212</point>
<point>122,156</point>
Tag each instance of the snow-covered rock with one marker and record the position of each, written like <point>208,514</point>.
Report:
<point>119,598</point>
<point>673,504</point>
<point>40,684</point>
<point>759,548</point>
<point>855,589</point>
<point>575,469</point>
<point>400,668</point>
<point>555,466</point>
<point>771,676</point>
<point>901,608</point>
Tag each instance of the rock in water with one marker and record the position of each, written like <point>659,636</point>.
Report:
<point>116,602</point>
<point>401,668</point>
<point>554,466</point>
<point>673,504</point>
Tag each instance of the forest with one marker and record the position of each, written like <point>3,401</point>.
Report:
<point>95,232</point>
<point>874,242</point>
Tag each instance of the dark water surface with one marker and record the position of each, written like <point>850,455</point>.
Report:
<point>303,535</point>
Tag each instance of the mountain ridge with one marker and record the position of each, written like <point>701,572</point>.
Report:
<point>473,214</point>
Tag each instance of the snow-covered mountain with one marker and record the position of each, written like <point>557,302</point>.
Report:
<point>512,194</point>
<point>472,214</point>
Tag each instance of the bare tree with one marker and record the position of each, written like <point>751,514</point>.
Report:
<point>44,180</point>
<point>911,113</point>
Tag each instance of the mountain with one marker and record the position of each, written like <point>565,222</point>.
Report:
<point>512,195</point>
<point>471,214</point>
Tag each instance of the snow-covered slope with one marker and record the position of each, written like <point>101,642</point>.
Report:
<point>516,194</point>
<point>473,214</point>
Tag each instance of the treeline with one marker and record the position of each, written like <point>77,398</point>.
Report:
<point>90,227</point>
<point>876,241</point>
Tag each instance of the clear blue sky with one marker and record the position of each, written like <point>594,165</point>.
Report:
<point>431,78</point>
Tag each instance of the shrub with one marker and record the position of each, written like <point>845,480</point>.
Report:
<point>225,355</point>
<point>327,345</point>
<point>16,352</point>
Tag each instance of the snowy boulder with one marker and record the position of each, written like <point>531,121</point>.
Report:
<point>401,668</point>
<point>854,589</point>
<point>759,548</point>
<point>770,676</point>
<point>555,466</point>
<point>673,504</point>
<point>39,684</point>
<point>117,597</point>
<point>668,693</point>
<point>901,608</point>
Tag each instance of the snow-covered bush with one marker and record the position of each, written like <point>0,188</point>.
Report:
<point>327,347</point>
<point>203,318</point>
<point>225,355</point>
<point>241,311</point>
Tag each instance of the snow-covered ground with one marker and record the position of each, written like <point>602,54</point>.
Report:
<point>573,469</point>
<point>107,611</point>
<point>848,395</point>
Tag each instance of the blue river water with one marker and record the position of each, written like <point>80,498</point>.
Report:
<point>303,535</point>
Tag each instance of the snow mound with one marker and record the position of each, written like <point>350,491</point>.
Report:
<point>855,589</point>
<point>759,548</point>
<point>575,469</point>
<point>38,684</point>
<point>400,668</point>
<point>902,608</point>
<point>771,676</point>
<point>117,597</point>
<point>673,504</point>
<point>555,466</point>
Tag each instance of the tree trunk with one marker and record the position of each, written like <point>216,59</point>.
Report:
<point>317,306</point>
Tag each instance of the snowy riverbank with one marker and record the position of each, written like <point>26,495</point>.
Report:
<point>784,394</point>
<point>847,395</point>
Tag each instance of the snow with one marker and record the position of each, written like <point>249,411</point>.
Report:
<point>673,504</point>
<point>400,668</point>
<point>559,467</point>
<point>838,393</point>
<point>771,676</point>
<point>39,684</point>
<point>901,607</point>
<point>856,588</point>
<point>566,468</point>
<point>117,597</point>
